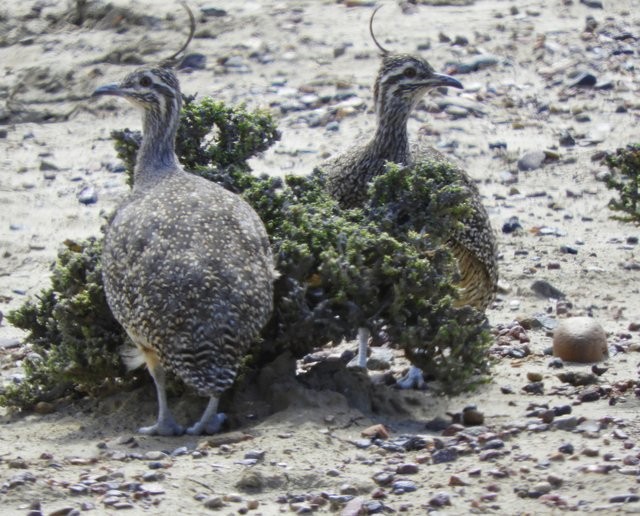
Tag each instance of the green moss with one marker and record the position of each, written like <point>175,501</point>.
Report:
<point>624,165</point>
<point>383,266</point>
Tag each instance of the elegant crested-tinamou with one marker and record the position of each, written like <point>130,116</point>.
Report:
<point>187,265</point>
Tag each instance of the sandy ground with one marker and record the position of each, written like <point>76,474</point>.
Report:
<point>288,56</point>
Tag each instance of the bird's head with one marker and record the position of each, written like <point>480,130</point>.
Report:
<point>406,78</point>
<point>152,88</point>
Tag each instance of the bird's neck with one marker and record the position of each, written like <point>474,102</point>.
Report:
<point>156,157</point>
<point>391,141</point>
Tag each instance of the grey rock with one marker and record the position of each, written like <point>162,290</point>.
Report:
<point>545,290</point>
<point>531,160</point>
<point>194,61</point>
<point>88,195</point>
<point>583,80</point>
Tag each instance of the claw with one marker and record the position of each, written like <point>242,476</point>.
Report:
<point>166,427</point>
<point>213,426</point>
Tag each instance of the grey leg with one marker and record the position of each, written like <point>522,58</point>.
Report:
<point>363,345</point>
<point>412,380</point>
<point>165,425</point>
<point>210,422</point>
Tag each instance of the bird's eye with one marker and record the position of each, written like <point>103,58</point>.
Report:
<point>145,81</point>
<point>410,72</point>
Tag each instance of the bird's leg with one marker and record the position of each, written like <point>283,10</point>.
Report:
<point>363,346</point>
<point>414,379</point>
<point>210,422</point>
<point>165,425</point>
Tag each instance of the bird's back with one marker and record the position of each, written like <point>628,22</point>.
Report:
<point>474,245</point>
<point>188,272</point>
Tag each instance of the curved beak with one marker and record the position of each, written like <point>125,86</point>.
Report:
<point>440,79</point>
<point>107,89</point>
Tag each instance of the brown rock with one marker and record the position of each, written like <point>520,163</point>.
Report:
<point>580,339</point>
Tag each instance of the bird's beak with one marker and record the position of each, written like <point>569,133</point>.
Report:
<point>108,89</point>
<point>440,79</point>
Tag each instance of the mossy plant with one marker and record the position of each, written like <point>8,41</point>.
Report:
<point>624,166</point>
<point>383,266</point>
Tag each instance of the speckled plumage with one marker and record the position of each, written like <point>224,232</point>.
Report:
<point>187,265</point>
<point>402,80</point>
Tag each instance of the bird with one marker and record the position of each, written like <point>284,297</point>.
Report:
<point>187,265</point>
<point>402,80</point>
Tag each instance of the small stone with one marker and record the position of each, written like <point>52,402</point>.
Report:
<point>590,393</point>
<point>88,195</point>
<point>583,80</point>
<point>591,452</point>
<point>471,416</point>
<point>440,500</point>
<point>214,502</point>
<point>407,469</point>
<point>404,486</point>
<point>383,478</point>
<point>193,61</point>
<point>565,423</point>
<point>624,498</point>
<point>354,507</point>
<point>44,407</point>
<point>155,455</point>
<point>512,225</point>
<point>213,11</point>
<point>566,448</point>
<point>375,432</point>
<point>578,378</point>
<point>255,454</point>
<point>444,455</point>
<point>534,388</point>
<point>531,160</point>
<point>534,376</point>
<point>566,140</point>
<point>580,339</point>
<point>546,290</point>
<point>457,481</point>
<point>48,166</point>
<point>594,4</point>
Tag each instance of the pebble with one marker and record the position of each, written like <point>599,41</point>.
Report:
<point>534,376</point>
<point>512,225</point>
<point>534,388</point>
<point>255,454</point>
<point>88,195</point>
<point>580,339</point>
<point>440,500</point>
<point>565,423</point>
<point>472,65</point>
<point>193,61</point>
<point>583,80</point>
<point>625,498</point>
<point>155,455</point>
<point>214,502</point>
<point>444,455</point>
<point>404,486</point>
<point>407,469</point>
<point>546,290</point>
<point>590,393</point>
<point>567,449</point>
<point>531,160</point>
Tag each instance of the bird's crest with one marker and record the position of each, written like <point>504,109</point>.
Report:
<point>382,49</point>
<point>172,60</point>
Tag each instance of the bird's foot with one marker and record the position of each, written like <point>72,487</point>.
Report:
<point>358,361</point>
<point>412,380</point>
<point>208,427</point>
<point>166,427</point>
